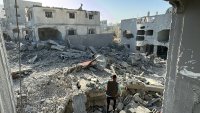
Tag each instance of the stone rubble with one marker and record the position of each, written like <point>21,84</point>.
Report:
<point>53,80</point>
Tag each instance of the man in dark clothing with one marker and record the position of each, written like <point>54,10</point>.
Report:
<point>112,91</point>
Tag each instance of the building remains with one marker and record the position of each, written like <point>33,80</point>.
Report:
<point>149,34</point>
<point>9,28</point>
<point>46,23</point>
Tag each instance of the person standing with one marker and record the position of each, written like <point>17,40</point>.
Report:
<point>112,91</point>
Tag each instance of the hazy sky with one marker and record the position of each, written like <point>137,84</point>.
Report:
<point>112,10</point>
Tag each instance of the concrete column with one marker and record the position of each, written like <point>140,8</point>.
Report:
<point>7,104</point>
<point>182,91</point>
<point>78,104</point>
<point>63,31</point>
<point>155,49</point>
<point>36,34</point>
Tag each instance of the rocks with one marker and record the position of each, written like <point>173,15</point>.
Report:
<point>52,42</point>
<point>23,47</point>
<point>139,109</point>
<point>124,64</point>
<point>92,49</point>
<point>54,45</point>
<point>32,60</point>
<point>80,47</point>
<point>120,106</point>
<point>58,47</point>
<point>96,111</point>
<point>131,110</point>
<point>122,111</point>
<point>10,45</point>
<point>78,103</point>
<point>71,55</point>
<point>24,72</point>
<point>41,45</point>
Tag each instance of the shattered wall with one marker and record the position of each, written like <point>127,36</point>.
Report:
<point>129,27</point>
<point>182,80</point>
<point>7,104</point>
<point>95,40</point>
<point>9,6</point>
<point>10,22</point>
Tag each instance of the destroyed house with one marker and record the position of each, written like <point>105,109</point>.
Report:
<point>151,33</point>
<point>58,23</point>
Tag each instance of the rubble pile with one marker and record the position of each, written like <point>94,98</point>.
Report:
<point>53,75</point>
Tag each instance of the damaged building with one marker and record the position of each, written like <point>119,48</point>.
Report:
<point>46,23</point>
<point>149,34</point>
<point>9,28</point>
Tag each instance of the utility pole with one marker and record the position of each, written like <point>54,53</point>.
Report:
<point>19,53</point>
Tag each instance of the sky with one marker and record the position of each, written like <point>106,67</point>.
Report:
<point>112,10</point>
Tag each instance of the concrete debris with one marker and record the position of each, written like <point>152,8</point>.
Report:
<point>120,106</point>
<point>41,45</point>
<point>23,72</point>
<point>92,49</point>
<point>58,47</point>
<point>78,103</point>
<point>51,42</point>
<point>23,47</point>
<point>59,80</point>
<point>141,86</point>
<point>32,60</point>
<point>141,109</point>
<point>10,45</point>
<point>79,47</point>
<point>122,111</point>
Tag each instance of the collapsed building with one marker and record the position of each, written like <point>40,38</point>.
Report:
<point>149,34</point>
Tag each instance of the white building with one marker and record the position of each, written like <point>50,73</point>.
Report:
<point>150,34</point>
<point>128,31</point>
<point>104,25</point>
<point>56,23</point>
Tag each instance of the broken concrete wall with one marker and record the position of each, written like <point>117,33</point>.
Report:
<point>146,30</point>
<point>7,104</point>
<point>182,79</point>
<point>10,22</point>
<point>9,6</point>
<point>128,26</point>
<point>95,40</point>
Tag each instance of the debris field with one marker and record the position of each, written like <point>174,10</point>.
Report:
<point>61,79</point>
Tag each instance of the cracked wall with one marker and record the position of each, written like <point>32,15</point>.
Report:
<point>7,104</point>
<point>182,79</point>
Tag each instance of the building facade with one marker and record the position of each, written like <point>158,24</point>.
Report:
<point>57,23</point>
<point>150,33</point>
